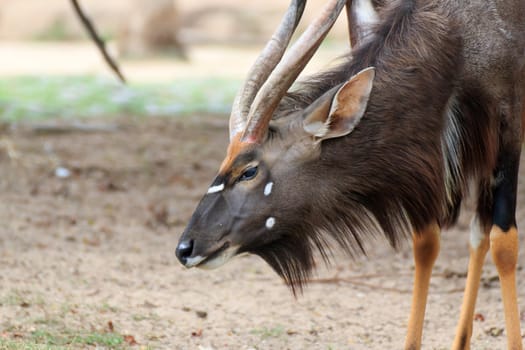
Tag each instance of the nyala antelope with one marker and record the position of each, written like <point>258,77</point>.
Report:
<point>429,105</point>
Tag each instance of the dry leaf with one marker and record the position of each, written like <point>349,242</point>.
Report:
<point>494,331</point>
<point>130,340</point>
<point>197,333</point>
<point>479,317</point>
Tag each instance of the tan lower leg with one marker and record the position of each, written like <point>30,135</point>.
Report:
<point>478,250</point>
<point>426,250</point>
<point>504,248</point>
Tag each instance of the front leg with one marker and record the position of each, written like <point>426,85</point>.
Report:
<point>426,249</point>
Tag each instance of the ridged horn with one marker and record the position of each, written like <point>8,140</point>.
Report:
<point>263,66</point>
<point>286,72</point>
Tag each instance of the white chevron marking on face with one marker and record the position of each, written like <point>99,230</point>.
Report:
<point>215,189</point>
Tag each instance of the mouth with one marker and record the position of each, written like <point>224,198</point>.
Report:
<point>214,260</point>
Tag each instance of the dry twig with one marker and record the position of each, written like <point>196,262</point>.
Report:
<point>101,45</point>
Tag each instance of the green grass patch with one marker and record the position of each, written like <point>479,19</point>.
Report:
<point>21,298</point>
<point>273,332</point>
<point>8,344</point>
<point>47,340</point>
<point>105,307</point>
<point>38,98</point>
<point>111,340</point>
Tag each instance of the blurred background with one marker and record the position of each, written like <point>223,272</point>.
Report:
<point>179,56</point>
<point>98,180</point>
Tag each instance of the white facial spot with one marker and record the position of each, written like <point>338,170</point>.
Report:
<point>270,222</point>
<point>215,189</point>
<point>268,188</point>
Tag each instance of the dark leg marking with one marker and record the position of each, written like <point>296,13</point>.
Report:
<point>505,190</point>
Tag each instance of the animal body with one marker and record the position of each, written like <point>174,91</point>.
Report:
<point>429,105</point>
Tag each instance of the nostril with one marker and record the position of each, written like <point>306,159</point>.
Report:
<point>184,250</point>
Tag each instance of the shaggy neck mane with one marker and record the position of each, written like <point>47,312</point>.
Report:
<point>387,176</point>
<point>404,28</point>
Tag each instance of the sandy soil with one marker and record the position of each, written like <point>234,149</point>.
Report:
<point>98,245</point>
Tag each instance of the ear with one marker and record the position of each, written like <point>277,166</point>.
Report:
<point>337,116</point>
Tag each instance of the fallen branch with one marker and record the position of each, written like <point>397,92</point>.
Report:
<point>101,45</point>
<point>61,128</point>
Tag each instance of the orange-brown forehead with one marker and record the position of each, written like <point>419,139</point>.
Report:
<point>236,148</point>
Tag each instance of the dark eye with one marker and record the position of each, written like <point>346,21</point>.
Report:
<point>248,174</point>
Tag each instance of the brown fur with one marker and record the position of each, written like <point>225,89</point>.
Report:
<point>412,181</point>
<point>396,172</point>
<point>444,116</point>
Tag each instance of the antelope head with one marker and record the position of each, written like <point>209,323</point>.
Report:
<point>265,194</point>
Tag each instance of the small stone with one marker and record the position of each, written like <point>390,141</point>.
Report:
<point>201,314</point>
<point>62,173</point>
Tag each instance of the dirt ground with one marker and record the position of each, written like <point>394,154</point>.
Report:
<point>89,221</point>
<point>89,224</point>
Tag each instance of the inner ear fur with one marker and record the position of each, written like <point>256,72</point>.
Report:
<point>338,111</point>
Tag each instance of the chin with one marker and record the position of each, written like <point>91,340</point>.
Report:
<point>218,259</point>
